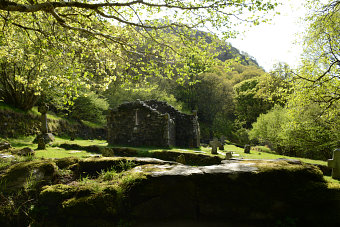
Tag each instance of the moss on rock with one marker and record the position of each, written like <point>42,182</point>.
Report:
<point>190,158</point>
<point>64,163</point>
<point>38,172</point>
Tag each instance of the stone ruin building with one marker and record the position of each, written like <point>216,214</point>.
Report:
<point>152,123</point>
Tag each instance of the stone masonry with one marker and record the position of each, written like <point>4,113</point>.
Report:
<point>152,123</point>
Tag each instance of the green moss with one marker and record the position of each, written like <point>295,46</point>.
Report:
<point>93,166</point>
<point>53,195</point>
<point>4,163</point>
<point>64,163</point>
<point>332,183</point>
<point>18,175</point>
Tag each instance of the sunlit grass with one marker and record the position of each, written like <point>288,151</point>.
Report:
<point>81,142</point>
<point>23,142</point>
<point>264,155</point>
<point>56,152</point>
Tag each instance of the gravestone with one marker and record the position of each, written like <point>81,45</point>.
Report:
<point>44,137</point>
<point>214,144</point>
<point>222,140</point>
<point>247,149</point>
<point>335,164</point>
<point>43,110</point>
<point>41,144</point>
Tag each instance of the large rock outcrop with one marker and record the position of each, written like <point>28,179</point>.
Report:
<point>234,193</point>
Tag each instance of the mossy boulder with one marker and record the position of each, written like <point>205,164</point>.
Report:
<point>26,174</point>
<point>249,192</point>
<point>64,163</point>
<point>91,148</point>
<point>121,151</point>
<point>241,192</point>
<point>26,151</point>
<point>77,204</point>
<point>190,158</point>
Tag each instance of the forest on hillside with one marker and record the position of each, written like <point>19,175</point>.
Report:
<point>71,56</point>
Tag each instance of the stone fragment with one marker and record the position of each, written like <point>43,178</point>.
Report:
<point>222,140</point>
<point>26,151</point>
<point>41,144</point>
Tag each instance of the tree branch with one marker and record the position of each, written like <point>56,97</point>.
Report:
<point>35,7</point>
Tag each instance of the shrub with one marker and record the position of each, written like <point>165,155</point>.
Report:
<point>302,133</point>
<point>89,107</point>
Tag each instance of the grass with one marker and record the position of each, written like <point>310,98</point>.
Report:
<point>55,152</point>
<point>264,155</point>
<point>81,142</point>
<point>21,142</point>
<point>92,124</point>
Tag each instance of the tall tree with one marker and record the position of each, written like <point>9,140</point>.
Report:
<point>318,80</point>
<point>138,33</point>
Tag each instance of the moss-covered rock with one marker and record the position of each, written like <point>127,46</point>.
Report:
<point>251,192</point>
<point>66,205</point>
<point>64,163</point>
<point>190,158</point>
<point>73,146</point>
<point>121,151</point>
<point>29,174</point>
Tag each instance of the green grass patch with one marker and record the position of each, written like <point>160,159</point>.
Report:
<point>254,154</point>
<point>21,142</point>
<point>81,142</point>
<point>56,152</point>
<point>53,151</point>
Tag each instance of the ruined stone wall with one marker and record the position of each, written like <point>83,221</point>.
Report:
<point>186,126</point>
<point>187,129</point>
<point>137,124</point>
<point>158,124</point>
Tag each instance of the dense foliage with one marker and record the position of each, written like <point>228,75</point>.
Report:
<point>308,125</point>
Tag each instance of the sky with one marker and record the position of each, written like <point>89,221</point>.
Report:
<point>277,41</point>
